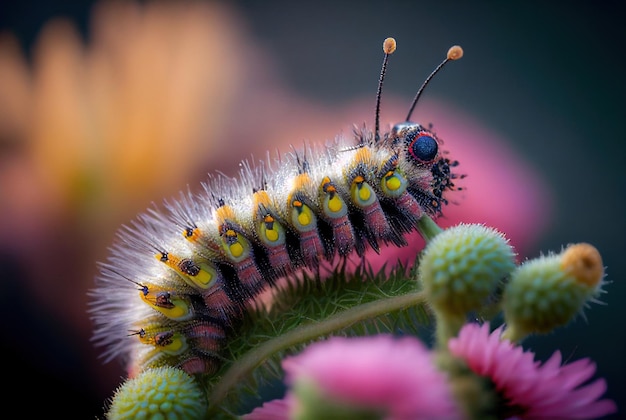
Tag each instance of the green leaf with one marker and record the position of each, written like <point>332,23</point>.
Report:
<point>307,309</point>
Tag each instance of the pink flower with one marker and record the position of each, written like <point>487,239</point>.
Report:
<point>273,410</point>
<point>394,375</point>
<point>529,389</point>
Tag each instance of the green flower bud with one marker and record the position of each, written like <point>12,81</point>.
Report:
<point>548,292</point>
<point>159,393</point>
<point>462,269</point>
<point>463,266</point>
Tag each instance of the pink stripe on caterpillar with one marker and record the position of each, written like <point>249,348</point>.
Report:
<point>409,206</point>
<point>279,260</point>
<point>219,305</point>
<point>207,337</point>
<point>376,221</point>
<point>196,365</point>
<point>343,235</point>
<point>249,275</point>
<point>312,249</point>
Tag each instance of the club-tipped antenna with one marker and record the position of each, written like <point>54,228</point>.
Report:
<point>389,46</point>
<point>454,53</point>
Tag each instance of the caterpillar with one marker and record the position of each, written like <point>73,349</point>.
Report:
<point>180,276</point>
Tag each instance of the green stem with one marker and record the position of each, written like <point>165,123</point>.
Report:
<point>305,333</point>
<point>448,326</point>
<point>513,334</point>
<point>428,228</point>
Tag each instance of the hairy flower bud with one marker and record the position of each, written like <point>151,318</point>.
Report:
<point>158,393</point>
<point>463,266</point>
<point>548,292</point>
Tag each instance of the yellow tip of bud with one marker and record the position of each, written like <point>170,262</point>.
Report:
<point>389,45</point>
<point>584,262</point>
<point>455,52</point>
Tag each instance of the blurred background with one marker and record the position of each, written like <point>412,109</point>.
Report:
<point>106,107</point>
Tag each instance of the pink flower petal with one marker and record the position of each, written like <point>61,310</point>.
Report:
<point>396,375</point>
<point>272,410</point>
<point>541,391</point>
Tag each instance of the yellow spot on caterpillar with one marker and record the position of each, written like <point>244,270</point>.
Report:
<point>271,235</point>
<point>174,308</point>
<point>332,204</point>
<point>361,192</point>
<point>304,218</point>
<point>335,204</point>
<point>393,183</point>
<point>203,279</point>
<point>176,345</point>
<point>236,249</point>
<point>166,341</point>
<point>235,245</point>
<point>297,203</point>
<point>270,231</point>
<point>179,311</point>
<point>364,193</point>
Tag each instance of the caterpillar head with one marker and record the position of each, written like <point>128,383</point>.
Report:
<point>419,154</point>
<point>417,143</point>
<point>420,157</point>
